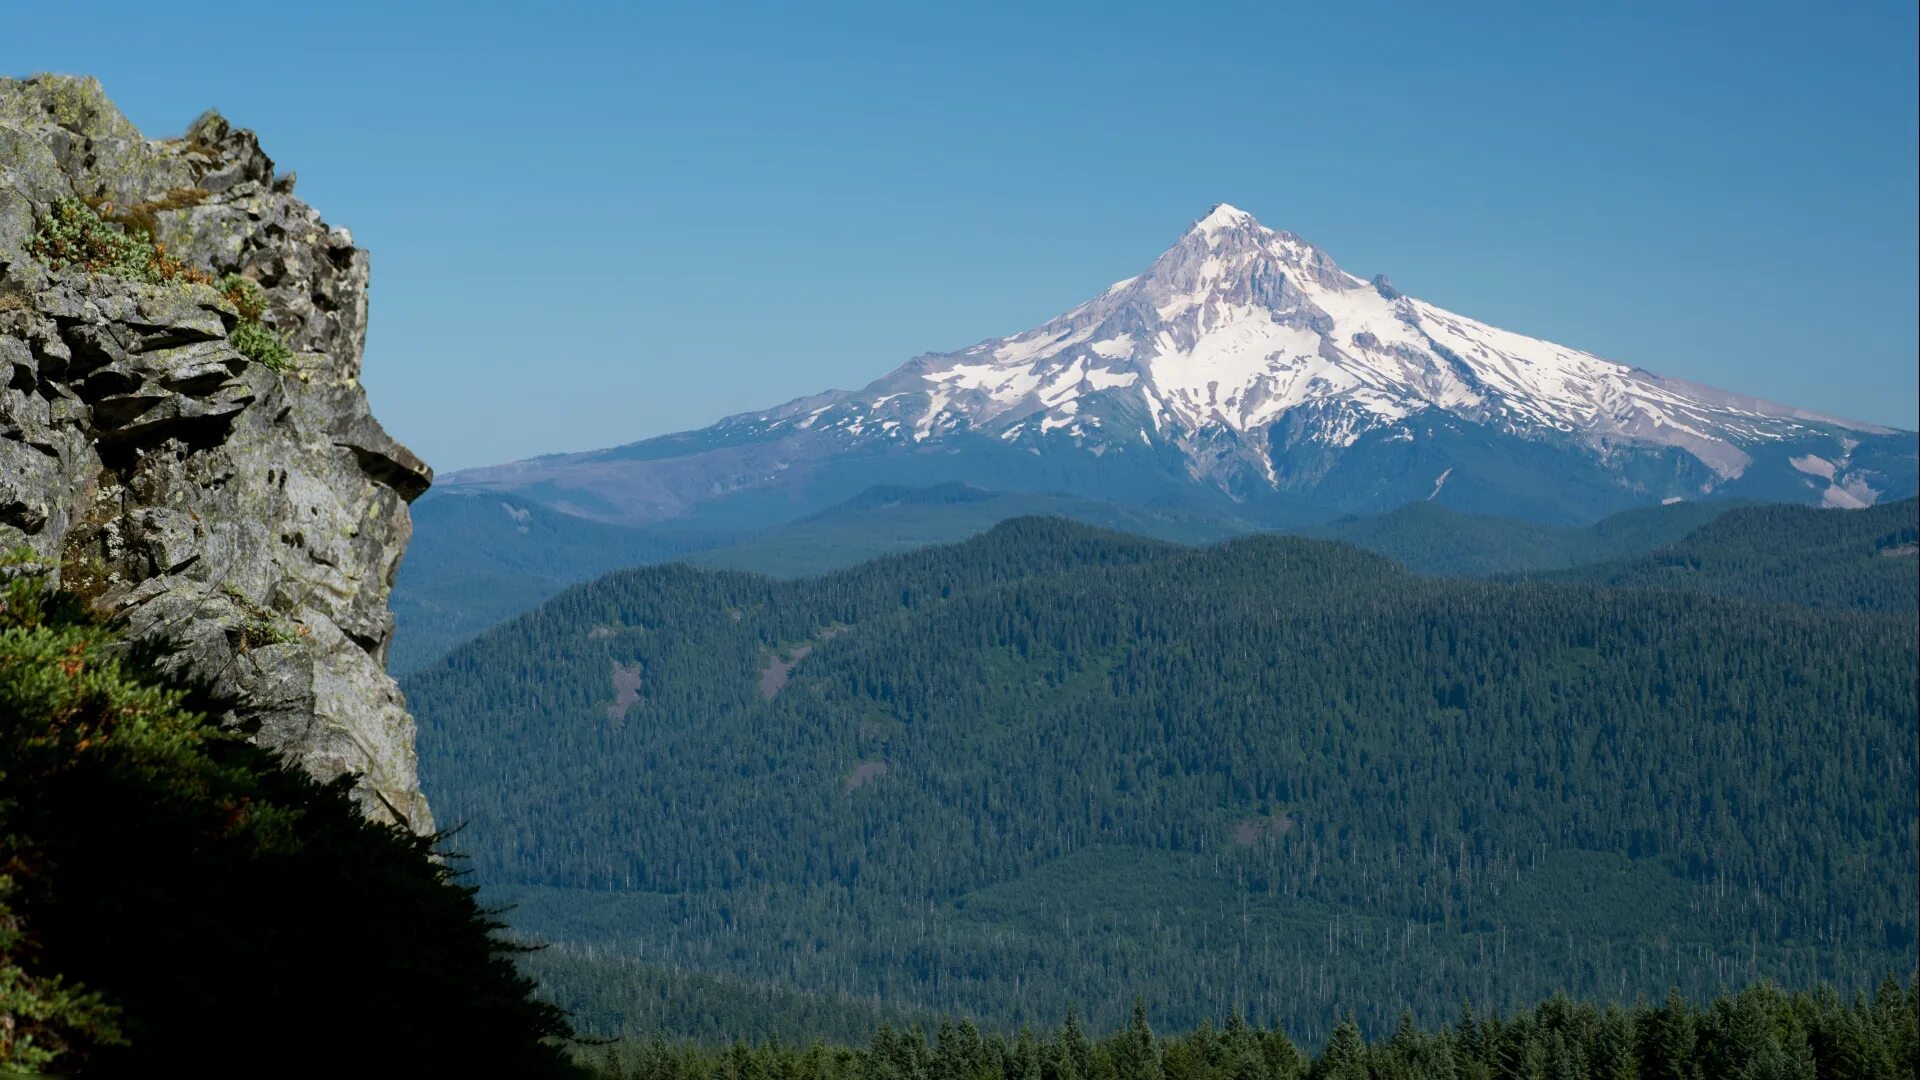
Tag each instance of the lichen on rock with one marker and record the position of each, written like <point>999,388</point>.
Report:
<point>243,523</point>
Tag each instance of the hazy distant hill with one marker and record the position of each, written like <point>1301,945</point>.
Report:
<point>1431,539</point>
<point>477,560</point>
<point>886,521</point>
<point>1862,559</point>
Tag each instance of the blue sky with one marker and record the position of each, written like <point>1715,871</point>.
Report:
<point>591,223</point>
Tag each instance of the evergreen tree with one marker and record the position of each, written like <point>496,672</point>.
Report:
<point>1667,1039</point>
<point>1345,1056</point>
<point>1282,1058</point>
<point>1137,1054</point>
<point>1614,1056</point>
<point>1023,1061</point>
<point>1076,1051</point>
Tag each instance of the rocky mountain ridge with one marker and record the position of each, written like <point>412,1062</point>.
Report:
<point>242,518</point>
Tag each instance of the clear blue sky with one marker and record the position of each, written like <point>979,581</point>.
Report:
<point>594,223</point>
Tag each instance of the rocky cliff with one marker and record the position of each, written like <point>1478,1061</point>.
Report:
<point>234,505</point>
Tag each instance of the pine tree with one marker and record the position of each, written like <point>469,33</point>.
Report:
<point>1281,1056</point>
<point>1667,1040</point>
<point>1613,1056</point>
<point>1076,1051</point>
<point>1521,1053</point>
<point>1345,1056</point>
<point>1899,1024</point>
<point>1023,1060</point>
<point>1469,1039</point>
<point>1137,1055</point>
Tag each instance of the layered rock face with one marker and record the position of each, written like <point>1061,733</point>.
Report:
<point>244,523</point>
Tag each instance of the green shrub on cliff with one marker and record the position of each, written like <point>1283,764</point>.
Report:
<point>182,904</point>
<point>251,337</point>
<point>257,343</point>
<point>74,234</point>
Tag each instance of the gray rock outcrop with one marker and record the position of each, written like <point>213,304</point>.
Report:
<point>245,522</point>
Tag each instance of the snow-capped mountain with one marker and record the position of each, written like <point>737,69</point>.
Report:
<point>1245,365</point>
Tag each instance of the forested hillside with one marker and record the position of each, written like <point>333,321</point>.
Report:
<point>1861,559</point>
<point>1054,766</point>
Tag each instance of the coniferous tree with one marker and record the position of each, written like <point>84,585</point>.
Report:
<point>1667,1040</point>
<point>1137,1056</point>
<point>1614,1056</point>
<point>1345,1056</point>
<point>1076,1051</point>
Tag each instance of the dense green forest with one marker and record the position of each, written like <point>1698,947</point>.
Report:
<point>616,997</point>
<point>1758,1034</point>
<point>175,902</point>
<point>1054,767</point>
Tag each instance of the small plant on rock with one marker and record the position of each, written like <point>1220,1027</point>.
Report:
<point>76,235</point>
<point>252,337</point>
<point>259,627</point>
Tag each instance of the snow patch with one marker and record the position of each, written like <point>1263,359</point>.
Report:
<point>1037,346</point>
<point>1842,499</point>
<point>1109,378</point>
<point>1813,465</point>
<point>1065,419</point>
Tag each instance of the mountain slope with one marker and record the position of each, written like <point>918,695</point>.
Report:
<point>1278,772</point>
<point>1246,367</point>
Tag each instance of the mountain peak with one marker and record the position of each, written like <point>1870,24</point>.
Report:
<point>1243,359</point>
<point>1224,216</point>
